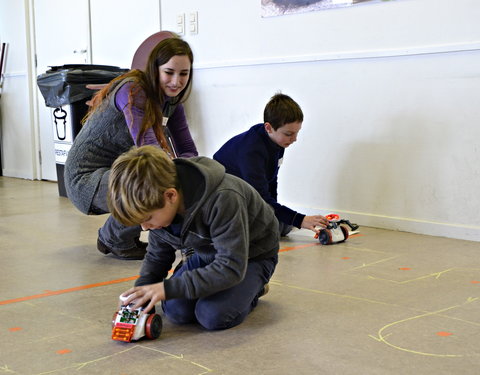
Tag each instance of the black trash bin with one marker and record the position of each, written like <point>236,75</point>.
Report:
<point>64,90</point>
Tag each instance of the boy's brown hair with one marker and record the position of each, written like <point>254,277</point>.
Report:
<point>281,110</point>
<point>137,182</point>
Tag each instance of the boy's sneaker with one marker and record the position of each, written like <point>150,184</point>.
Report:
<point>134,253</point>
<point>265,290</point>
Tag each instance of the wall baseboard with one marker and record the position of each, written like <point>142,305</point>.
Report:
<point>26,175</point>
<point>430,228</point>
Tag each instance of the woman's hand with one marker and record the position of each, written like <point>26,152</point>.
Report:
<point>312,222</point>
<point>141,295</point>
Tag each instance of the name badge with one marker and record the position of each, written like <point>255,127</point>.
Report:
<point>164,121</point>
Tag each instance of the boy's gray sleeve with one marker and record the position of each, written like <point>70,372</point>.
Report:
<point>227,217</point>
<point>157,262</point>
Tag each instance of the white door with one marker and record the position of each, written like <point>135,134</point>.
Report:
<point>63,30</point>
<point>62,36</point>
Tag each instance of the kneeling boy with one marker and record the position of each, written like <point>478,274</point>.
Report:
<point>193,203</point>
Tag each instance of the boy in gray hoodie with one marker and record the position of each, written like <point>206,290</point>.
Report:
<point>193,204</point>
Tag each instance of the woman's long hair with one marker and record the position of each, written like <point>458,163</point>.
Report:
<point>149,82</point>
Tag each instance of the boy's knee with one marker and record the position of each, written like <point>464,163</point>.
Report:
<point>285,229</point>
<point>178,314</point>
<point>212,318</point>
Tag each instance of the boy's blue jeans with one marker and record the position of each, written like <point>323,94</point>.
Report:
<point>224,309</point>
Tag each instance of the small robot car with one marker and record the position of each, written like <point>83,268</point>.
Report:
<point>130,324</point>
<point>335,232</point>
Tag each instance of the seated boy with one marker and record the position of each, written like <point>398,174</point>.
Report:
<point>256,155</point>
<point>193,203</point>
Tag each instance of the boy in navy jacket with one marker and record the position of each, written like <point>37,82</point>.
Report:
<point>256,155</point>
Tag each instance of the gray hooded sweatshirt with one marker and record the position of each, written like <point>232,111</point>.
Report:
<point>226,222</point>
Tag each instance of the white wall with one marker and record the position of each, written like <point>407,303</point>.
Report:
<point>234,32</point>
<point>17,128</point>
<point>119,29</point>
<point>389,92</point>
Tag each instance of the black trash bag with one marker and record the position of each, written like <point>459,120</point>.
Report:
<point>66,84</point>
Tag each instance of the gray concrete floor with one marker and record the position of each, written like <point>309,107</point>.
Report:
<point>384,302</point>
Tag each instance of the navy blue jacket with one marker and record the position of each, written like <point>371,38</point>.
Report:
<point>255,158</point>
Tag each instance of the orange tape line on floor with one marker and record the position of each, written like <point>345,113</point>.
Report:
<point>110,282</point>
<point>62,291</point>
<point>289,248</point>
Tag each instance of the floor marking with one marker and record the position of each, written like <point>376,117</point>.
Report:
<point>382,338</point>
<point>316,291</point>
<point>275,282</point>
<point>5,369</point>
<point>290,248</point>
<point>374,263</point>
<point>444,334</point>
<point>69,290</point>
<point>362,249</point>
<point>435,274</point>
<point>80,366</point>
<point>50,293</point>
<point>63,351</point>
<point>182,358</point>
<point>110,282</point>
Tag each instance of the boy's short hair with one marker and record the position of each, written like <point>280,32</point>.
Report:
<point>281,110</point>
<point>137,181</point>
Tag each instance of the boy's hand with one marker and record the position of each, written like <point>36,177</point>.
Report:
<point>144,294</point>
<point>311,222</point>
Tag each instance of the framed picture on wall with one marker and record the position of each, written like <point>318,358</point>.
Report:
<point>271,8</point>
